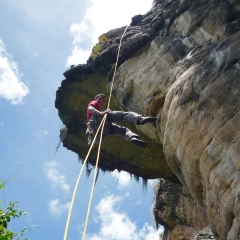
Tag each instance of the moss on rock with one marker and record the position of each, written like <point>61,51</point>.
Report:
<point>116,153</point>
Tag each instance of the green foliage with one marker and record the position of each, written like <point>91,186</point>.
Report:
<point>103,38</point>
<point>96,50</point>
<point>98,47</point>
<point>7,213</point>
<point>160,236</point>
<point>154,13</point>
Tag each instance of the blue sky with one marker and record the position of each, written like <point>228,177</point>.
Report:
<point>39,40</point>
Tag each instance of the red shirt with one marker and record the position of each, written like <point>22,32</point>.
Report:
<point>95,105</point>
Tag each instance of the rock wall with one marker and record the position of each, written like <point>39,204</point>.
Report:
<point>179,62</point>
<point>175,209</point>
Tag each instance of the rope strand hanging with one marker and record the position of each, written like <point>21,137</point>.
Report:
<point>98,154</point>
<point>77,183</point>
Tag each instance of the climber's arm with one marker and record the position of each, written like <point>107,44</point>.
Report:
<point>93,110</point>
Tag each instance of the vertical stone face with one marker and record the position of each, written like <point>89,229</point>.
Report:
<point>176,210</point>
<point>194,81</point>
<point>202,132</point>
<point>205,234</point>
<point>180,63</point>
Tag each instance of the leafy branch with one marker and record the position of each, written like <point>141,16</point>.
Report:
<point>7,213</point>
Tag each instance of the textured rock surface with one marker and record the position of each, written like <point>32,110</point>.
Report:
<point>205,234</point>
<point>176,210</point>
<point>202,112</point>
<point>72,99</point>
<point>179,62</point>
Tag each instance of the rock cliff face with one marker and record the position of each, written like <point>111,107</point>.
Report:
<point>180,63</point>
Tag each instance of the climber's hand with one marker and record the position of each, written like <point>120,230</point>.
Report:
<point>107,111</point>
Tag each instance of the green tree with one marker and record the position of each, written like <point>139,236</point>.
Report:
<point>9,211</point>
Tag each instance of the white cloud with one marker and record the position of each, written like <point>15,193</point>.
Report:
<point>56,208</point>
<point>78,56</point>
<point>151,181</point>
<point>98,20</point>
<point>122,177</point>
<point>116,225</point>
<point>43,133</point>
<point>11,87</point>
<point>57,180</point>
<point>138,202</point>
<point>44,109</point>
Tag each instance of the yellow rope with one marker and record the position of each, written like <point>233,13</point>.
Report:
<point>94,180</point>
<point>77,183</point>
<point>98,154</point>
<point>120,43</point>
<point>99,147</point>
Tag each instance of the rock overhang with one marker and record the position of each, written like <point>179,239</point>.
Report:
<point>183,89</point>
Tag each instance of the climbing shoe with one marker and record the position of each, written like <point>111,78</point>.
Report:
<point>138,142</point>
<point>144,120</point>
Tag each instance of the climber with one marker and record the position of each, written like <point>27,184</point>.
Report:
<point>95,115</point>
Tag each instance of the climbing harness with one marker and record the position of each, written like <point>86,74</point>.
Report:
<point>101,126</point>
<point>92,126</point>
<point>89,133</point>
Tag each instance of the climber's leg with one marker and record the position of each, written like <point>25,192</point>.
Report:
<point>119,116</point>
<point>117,130</point>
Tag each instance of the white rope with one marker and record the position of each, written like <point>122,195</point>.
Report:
<point>98,154</point>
